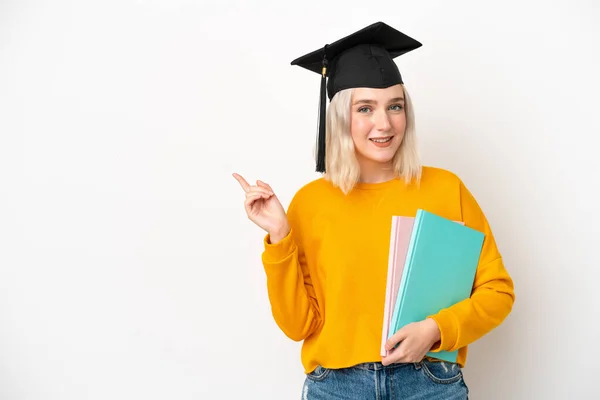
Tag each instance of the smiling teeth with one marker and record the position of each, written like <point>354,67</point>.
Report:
<point>382,140</point>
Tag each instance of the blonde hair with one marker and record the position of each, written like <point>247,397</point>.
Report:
<point>341,165</point>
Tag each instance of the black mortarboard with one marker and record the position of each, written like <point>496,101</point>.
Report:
<point>362,59</point>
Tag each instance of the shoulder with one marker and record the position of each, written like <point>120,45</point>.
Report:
<point>315,191</point>
<point>318,185</point>
<point>448,186</point>
<point>310,200</point>
<point>440,178</point>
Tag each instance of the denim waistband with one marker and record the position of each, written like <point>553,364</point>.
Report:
<point>377,366</point>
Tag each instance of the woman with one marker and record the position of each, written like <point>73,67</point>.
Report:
<point>326,259</point>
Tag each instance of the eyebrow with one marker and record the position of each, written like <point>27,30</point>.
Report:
<point>367,101</point>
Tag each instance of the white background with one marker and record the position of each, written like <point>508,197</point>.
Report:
<point>128,269</point>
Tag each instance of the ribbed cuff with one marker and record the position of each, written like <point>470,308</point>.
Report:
<point>279,251</point>
<point>448,331</point>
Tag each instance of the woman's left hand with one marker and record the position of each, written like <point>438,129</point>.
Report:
<point>415,339</point>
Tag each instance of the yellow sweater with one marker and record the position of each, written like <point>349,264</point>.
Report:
<point>326,280</point>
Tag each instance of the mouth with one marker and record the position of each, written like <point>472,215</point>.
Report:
<point>381,140</point>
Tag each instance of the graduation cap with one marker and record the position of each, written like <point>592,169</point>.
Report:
<point>362,59</point>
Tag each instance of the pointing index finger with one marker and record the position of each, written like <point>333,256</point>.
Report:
<point>242,182</point>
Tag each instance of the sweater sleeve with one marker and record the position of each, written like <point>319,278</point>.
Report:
<point>492,296</point>
<point>291,293</point>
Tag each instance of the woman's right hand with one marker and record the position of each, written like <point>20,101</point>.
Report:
<point>264,209</point>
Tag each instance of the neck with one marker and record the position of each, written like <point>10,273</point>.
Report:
<point>374,172</point>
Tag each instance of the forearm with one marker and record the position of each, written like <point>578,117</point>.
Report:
<point>291,295</point>
<point>490,303</point>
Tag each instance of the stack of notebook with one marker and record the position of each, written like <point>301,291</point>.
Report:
<point>432,265</point>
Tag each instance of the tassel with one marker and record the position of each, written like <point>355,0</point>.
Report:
<point>322,113</point>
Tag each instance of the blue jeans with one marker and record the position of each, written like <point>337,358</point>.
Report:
<point>429,380</point>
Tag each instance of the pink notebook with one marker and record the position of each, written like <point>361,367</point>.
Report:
<point>399,240</point>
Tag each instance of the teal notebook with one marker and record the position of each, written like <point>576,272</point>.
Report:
<point>439,271</point>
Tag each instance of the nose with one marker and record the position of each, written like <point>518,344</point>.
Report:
<point>381,121</point>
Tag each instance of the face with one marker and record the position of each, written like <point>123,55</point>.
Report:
<point>377,124</point>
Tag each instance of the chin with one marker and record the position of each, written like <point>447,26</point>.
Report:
<point>381,156</point>
<point>386,160</point>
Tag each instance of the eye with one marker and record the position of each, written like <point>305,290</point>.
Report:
<point>397,107</point>
<point>363,109</point>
